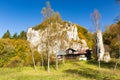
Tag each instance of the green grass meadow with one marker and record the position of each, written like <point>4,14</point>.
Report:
<point>80,70</point>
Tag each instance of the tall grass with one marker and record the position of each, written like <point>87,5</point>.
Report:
<point>81,70</point>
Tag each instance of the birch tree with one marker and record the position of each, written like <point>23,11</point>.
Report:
<point>33,38</point>
<point>47,13</point>
<point>95,16</point>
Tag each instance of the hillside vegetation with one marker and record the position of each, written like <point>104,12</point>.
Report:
<point>111,38</point>
<point>14,53</point>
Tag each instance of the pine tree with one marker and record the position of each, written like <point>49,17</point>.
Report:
<point>7,34</point>
<point>22,35</point>
<point>15,36</point>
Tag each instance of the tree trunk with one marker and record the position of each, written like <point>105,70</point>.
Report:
<point>56,62</point>
<point>98,57</point>
<point>119,53</point>
<point>42,64</point>
<point>115,65</point>
<point>99,65</point>
<point>117,60</point>
<point>33,61</point>
<point>48,69</point>
<point>63,59</point>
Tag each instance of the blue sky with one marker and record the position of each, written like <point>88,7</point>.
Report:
<point>18,15</point>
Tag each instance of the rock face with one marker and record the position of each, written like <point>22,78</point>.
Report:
<point>72,33</point>
<point>33,37</point>
<point>100,47</point>
<point>107,57</point>
<point>56,39</point>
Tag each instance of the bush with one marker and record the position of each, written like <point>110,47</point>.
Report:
<point>14,62</point>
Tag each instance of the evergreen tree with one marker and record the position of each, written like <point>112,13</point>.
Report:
<point>22,35</point>
<point>7,34</point>
<point>15,36</point>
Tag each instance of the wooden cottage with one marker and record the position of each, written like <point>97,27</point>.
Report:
<point>75,54</point>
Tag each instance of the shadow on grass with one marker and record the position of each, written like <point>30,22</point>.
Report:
<point>109,65</point>
<point>52,66</point>
<point>89,74</point>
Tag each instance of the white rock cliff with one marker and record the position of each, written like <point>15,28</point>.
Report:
<point>66,37</point>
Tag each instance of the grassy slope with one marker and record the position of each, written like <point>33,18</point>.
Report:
<point>81,70</point>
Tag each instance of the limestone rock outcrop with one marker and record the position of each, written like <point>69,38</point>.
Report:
<point>55,39</point>
<point>107,57</point>
<point>33,37</point>
<point>100,46</point>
